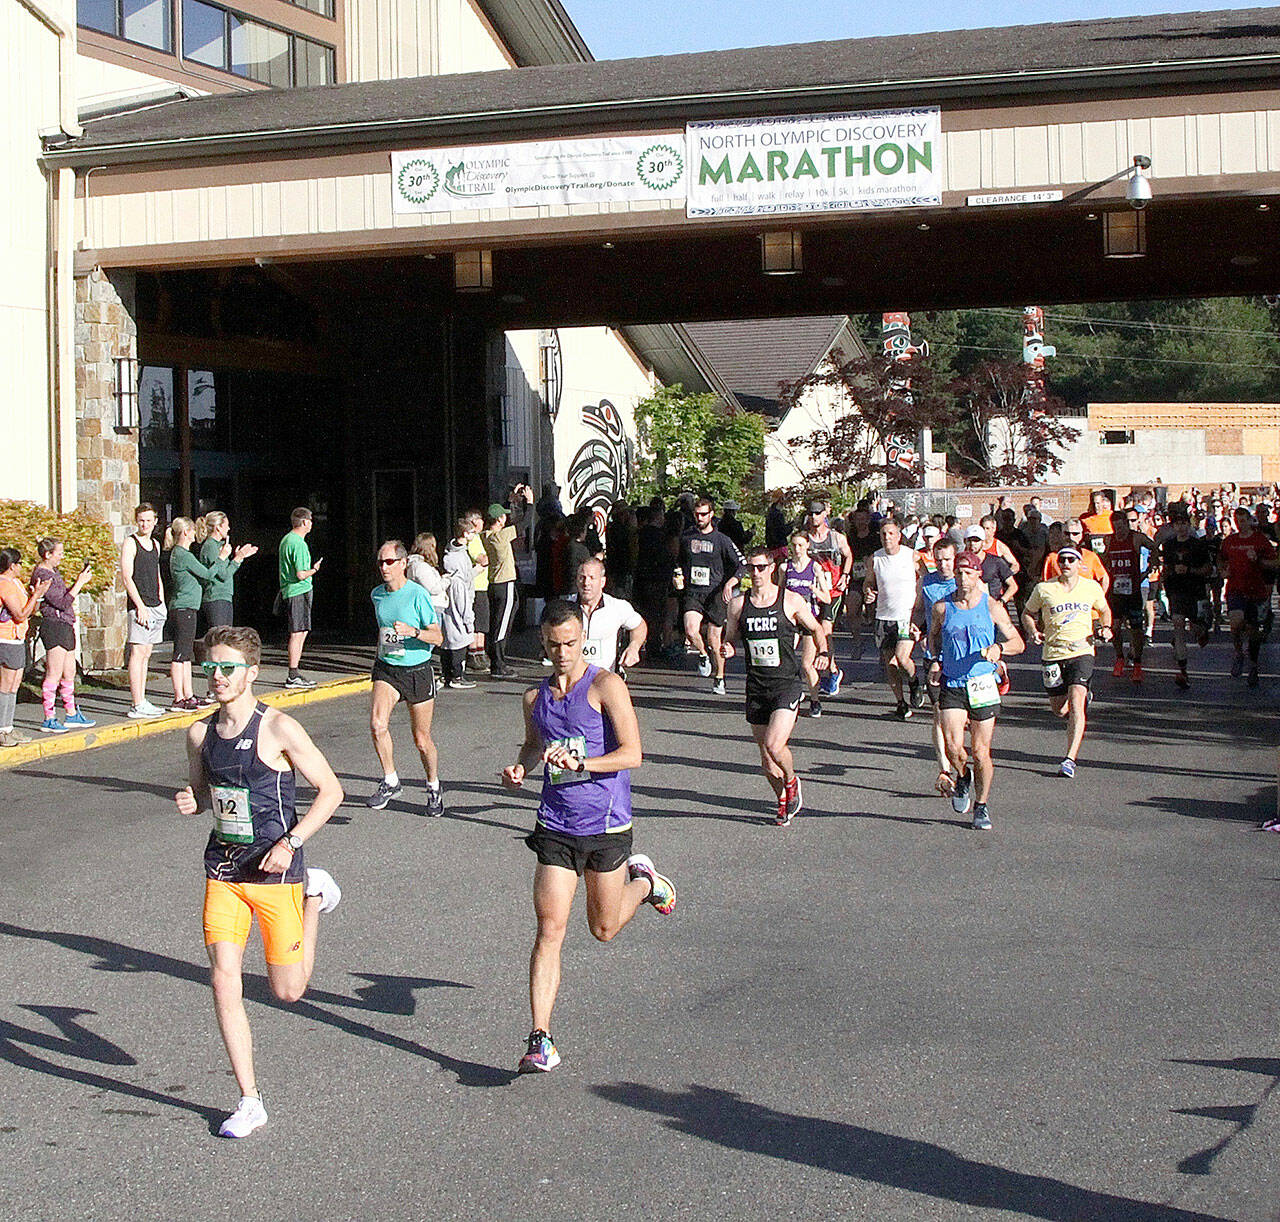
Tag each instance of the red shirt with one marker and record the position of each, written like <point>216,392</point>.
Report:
<point>1243,556</point>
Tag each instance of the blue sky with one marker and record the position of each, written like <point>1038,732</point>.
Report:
<point>619,29</point>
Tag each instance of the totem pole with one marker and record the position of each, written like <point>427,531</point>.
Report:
<point>895,334</point>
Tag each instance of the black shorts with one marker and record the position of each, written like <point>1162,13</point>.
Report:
<point>829,613</point>
<point>600,854</point>
<point>480,606</point>
<point>1185,604</point>
<point>1065,673</point>
<point>765,700</point>
<point>182,620</point>
<point>297,612</point>
<point>890,631</point>
<point>707,603</point>
<point>413,684</point>
<point>1129,607</point>
<point>1254,610</point>
<point>217,614</point>
<point>958,698</point>
<point>54,634</point>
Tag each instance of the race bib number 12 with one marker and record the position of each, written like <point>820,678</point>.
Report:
<point>232,820</point>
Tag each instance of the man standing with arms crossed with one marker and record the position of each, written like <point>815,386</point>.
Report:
<point>766,619</point>
<point>1066,607</point>
<point>140,572</point>
<point>709,566</point>
<point>241,764</point>
<point>296,572</point>
<point>580,724</point>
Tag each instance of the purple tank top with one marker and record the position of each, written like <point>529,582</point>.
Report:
<point>801,581</point>
<point>580,803</point>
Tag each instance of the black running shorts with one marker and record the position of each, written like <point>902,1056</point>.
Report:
<point>600,854</point>
<point>1065,673</point>
<point>765,700</point>
<point>413,684</point>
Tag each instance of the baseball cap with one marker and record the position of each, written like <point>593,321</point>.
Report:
<point>969,560</point>
<point>817,506</point>
<point>931,531</point>
<point>496,510</point>
<point>974,532</point>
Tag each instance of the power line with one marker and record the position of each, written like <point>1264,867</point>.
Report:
<point>1145,360</point>
<point>1139,325</point>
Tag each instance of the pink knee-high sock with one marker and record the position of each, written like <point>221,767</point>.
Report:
<point>67,690</point>
<point>48,694</point>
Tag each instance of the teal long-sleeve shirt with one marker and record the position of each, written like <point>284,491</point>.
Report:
<point>220,586</point>
<point>187,578</point>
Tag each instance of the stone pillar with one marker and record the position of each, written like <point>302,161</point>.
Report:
<point>106,461</point>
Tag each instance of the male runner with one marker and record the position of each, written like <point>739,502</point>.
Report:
<point>831,549</point>
<point>604,617</point>
<point>296,589</point>
<point>580,723</point>
<point>408,629</point>
<point>766,619</point>
<point>936,583</point>
<point>891,588</point>
<point>1122,557</point>
<point>1187,566</point>
<point>140,572</point>
<point>1247,559</point>
<point>1066,607</point>
<point>863,544</point>
<point>963,639</point>
<point>241,763</point>
<point>709,565</point>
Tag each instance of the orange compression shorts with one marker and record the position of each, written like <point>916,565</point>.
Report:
<point>229,909</point>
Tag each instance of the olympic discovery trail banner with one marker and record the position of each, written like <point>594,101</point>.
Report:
<point>816,163</point>
<point>611,170</point>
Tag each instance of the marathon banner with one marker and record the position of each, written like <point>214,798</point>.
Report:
<point>616,169</point>
<point>815,163</point>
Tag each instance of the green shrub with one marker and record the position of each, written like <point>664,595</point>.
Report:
<point>23,524</point>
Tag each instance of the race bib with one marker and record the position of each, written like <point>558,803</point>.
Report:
<point>1122,585</point>
<point>389,644</point>
<point>859,571</point>
<point>591,649</point>
<point>982,691</point>
<point>1099,544</point>
<point>576,745</point>
<point>1052,672</point>
<point>699,575</point>
<point>764,653</point>
<point>232,821</point>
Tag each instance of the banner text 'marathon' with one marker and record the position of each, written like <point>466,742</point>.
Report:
<point>847,161</point>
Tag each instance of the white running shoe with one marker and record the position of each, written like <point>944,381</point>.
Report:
<point>144,710</point>
<point>248,1116</point>
<point>320,882</point>
<point>704,666</point>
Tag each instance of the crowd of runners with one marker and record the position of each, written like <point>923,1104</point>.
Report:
<point>944,604</point>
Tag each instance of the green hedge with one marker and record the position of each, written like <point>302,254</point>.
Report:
<point>23,524</point>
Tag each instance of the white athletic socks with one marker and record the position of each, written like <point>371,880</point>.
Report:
<point>392,779</point>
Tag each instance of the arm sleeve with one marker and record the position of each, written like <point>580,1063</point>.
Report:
<point>731,558</point>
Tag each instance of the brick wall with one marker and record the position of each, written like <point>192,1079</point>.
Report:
<point>106,461</point>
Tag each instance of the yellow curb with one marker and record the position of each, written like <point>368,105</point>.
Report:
<point>126,731</point>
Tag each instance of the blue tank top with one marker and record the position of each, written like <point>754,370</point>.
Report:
<point>934,587</point>
<point>580,803</point>
<point>801,581</point>
<point>966,632</point>
<point>253,806</point>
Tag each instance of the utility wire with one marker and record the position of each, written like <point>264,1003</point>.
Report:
<point>1145,360</point>
<point>1139,325</point>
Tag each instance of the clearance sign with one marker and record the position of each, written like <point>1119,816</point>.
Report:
<point>817,163</point>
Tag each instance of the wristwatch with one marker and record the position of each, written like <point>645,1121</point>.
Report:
<point>294,842</point>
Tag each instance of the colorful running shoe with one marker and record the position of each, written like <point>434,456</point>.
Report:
<point>1118,669</point>
<point>792,797</point>
<point>1137,672</point>
<point>662,891</point>
<point>540,1056</point>
<point>51,725</point>
<point>79,719</point>
<point>781,819</point>
<point>1067,768</point>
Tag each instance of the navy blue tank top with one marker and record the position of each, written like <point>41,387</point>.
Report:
<point>252,806</point>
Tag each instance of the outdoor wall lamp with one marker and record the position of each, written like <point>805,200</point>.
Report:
<point>126,394</point>
<point>781,253</point>
<point>473,271</point>
<point>1124,235</point>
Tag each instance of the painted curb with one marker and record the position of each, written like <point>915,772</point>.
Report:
<point>127,731</point>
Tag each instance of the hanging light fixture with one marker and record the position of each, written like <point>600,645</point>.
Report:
<point>126,394</point>
<point>473,271</point>
<point>1124,234</point>
<point>781,253</point>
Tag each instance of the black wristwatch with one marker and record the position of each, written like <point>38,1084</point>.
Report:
<point>294,842</point>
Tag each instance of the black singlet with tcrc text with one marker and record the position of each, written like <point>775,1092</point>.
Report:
<point>769,643</point>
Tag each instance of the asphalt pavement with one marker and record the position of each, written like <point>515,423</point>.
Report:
<point>874,1013</point>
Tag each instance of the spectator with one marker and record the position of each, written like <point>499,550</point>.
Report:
<point>189,579</point>
<point>730,526</point>
<point>296,574</point>
<point>17,606</point>
<point>140,572</point>
<point>459,624</point>
<point>498,537</point>
<point>424,568</point>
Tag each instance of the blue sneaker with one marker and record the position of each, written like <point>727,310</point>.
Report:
<point>1067,768</point>
<point>51,725</point>
<point>541,1055</point>
<point>79,719</point>
<point>962,794</point>
<point>981,820</point>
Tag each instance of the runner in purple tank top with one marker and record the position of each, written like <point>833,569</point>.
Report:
<point>580,725</point>
<point>806,577</point>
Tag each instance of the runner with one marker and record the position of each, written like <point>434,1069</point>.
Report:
<point>863,544</point>
<point>1247,559</point>
<point>1187,566</point>
<point>1090,565</point>
<point>891,587</point>
<point>1066,607</point>
<point>241,762</point>
<point>604,617</point>
<point>806,577</point>
<point>407,630</point>
<point>832,551</point>
<point>963,640</point>
<point>936,584</point>
<point>140,572</point>
<point>296,590</point>
<point>766,619</point>
<point>709,564</point>
<point>16,609</point>
<point>1122,556</point>
<point>580,724</point>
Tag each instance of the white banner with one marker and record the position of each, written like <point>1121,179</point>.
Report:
<point>616,169</point>
<point>818,163</point>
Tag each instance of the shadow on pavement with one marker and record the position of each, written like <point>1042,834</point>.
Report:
<point>728,1120</point>
<point>1239,1116</point>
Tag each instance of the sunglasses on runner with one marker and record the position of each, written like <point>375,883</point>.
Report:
<point>390,559</point>
<point>760,568</point>
<point>225,669</point>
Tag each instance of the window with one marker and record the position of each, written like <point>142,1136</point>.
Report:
<point>208,417</point>
<point>204,34</point>
<point>148,22</point>
<point>226,40</point>
<point>1116,437</point>
<point>313,63</point>
<point>323,7</point>
<point>259,52</point>
<point>155,407</point>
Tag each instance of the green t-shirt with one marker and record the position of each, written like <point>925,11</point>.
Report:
<point>295,556</point>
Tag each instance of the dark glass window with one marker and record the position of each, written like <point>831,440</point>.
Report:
<point>206,414</point>
<point>155,407</point>
<point>313,63</point>
<point>224,39</point>
<point>97,15</point>
<point>204,33</point>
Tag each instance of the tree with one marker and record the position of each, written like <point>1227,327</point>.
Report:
<point>688,443</point>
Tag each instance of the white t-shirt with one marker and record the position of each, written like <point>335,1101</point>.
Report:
<point>601,628</point>
<point>895,584</point>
